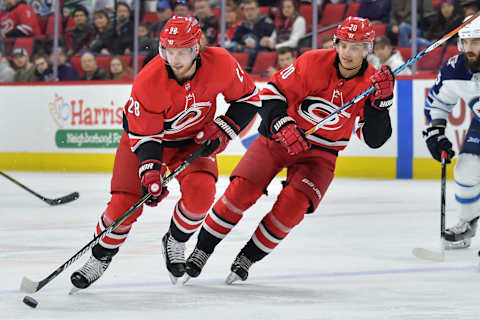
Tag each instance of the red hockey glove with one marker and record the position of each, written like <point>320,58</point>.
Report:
<point>219,133</point>
<point>152,172</point>
<point>383,82</point>
<point>285,131</point>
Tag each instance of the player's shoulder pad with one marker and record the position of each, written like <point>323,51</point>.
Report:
<point>151,71</point>
<point>217,56</point>
<point>454,69</point>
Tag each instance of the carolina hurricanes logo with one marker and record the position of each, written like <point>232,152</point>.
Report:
<point>193,114</point>
<point>314,109</point>
<point>6,26</point>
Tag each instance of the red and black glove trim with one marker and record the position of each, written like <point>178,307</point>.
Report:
<point>281,122</point>
<point>228,126</point>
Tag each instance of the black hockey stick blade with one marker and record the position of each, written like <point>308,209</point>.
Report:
<point>53,202</point>
<point>62,200</point>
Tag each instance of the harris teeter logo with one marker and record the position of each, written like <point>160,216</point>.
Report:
<point>84,126</point>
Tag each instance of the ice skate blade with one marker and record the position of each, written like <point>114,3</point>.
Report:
<point>186,279</point>
<point>232,277</point>
<point>74,290</point>
<point>173,279</point>
<point>462,244</point>
<point>426,254</point>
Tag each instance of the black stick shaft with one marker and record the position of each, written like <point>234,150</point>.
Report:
<point>443,191</point>
<point>23,186</point>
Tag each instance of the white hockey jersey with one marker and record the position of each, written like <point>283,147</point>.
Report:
<point>453,82</point>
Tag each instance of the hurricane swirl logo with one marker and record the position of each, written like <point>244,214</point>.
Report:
<point>315,109</point>
<point>188,118</point>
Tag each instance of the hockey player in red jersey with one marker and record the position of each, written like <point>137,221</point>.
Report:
<point>293,101</point>
<point>169,115</point>
<point>19,20</point>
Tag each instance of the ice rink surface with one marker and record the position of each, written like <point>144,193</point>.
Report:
<point>350,260</point>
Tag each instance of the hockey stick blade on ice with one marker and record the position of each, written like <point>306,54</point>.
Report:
<point>429,254</point>
<point>53,202</point>
<point>414,59</point>
<point>29,286</point>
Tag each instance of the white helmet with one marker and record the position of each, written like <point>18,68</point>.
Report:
<point>471,30</point>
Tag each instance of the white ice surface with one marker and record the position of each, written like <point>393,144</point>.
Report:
<point>350,260</point>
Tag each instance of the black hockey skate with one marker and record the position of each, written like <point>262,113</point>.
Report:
<point>90,272</point>
<point>239,269</point>
<point>195,263</point>
<point>460,236</point>
<point>174,255</point>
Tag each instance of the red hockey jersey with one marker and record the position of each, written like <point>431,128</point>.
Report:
<point>313,88</point>
<point>20,17</point>
<point>160,109</point>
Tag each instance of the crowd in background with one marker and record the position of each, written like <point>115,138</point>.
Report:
<point>104,28</point>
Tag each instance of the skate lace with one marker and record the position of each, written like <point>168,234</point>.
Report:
<point>175,250</point>
<point>93,269</point>
<point>199,257</point>
<point>243,262</point>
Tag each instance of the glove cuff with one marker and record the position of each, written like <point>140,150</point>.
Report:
<point>150,165</point>
<point>230,128</point>
<point>280,122</point>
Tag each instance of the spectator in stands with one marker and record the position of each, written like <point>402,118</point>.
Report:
<point>66,72</point>
<point>254,33</point>
<point>387,54</point>
<point>18,20</point>
<point>233,18</point>
<point>327,42</point>
<point>42,70</point>
<point>79,38</point>
<point>102,34</point>
<point>118,71</point>
<point>145,41</point>
<point>401,24</point>
<point>122,42</point>
<point>6,71</point>
<point>290,25</point>
<point>448,17</point>
<point>90,68</point>
<point>377,11</point>
<point>470,8</point>
<point>285,57</point>
<point>164,13</point>
<point>207,19</point>
<point>181,9</point>
<point>25,70</point>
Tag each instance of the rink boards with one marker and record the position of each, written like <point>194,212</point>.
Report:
<point>77,126</point>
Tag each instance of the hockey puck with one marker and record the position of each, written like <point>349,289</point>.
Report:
<point>29,301</point>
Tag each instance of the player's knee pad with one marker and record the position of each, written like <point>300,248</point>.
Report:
<point>242,193</point>
<point>290,207</point>
<point>198,192</point>
<point>467,169</point>
<point>467,179</point>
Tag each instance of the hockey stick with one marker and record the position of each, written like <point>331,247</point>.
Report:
<point>433,255</point>
<point>31,286</point>
<point>419,55</point>
<point>53,202</point>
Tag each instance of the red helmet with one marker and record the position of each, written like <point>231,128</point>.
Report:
<point>355,29</point>
<point>180,32</point>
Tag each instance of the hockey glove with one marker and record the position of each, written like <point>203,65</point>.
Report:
<point>285,131</point>
<point>437,141</point>
<point>151,173</point>
<point>383,82</point>
<point>218,133</point>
